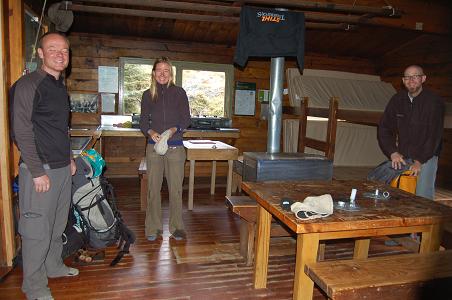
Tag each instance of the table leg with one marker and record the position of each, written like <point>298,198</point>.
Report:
<point>143,191</point>
<point>262,245</point>
<point>431,240</point>
<point>229,182</point>
<point>307,245</point>
<point>361,248</point>
<point>191,183</point>
<point>212,177</point>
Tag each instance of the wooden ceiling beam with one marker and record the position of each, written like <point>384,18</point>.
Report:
<point>386,11</point>
<point>149,13</point>
<point>221,9</point>
<point>182,16</point>
<point>172,5</point>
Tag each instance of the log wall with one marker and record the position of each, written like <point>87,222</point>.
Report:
<point>90,51</point>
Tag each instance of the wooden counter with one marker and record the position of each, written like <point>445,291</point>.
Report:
<point>123,148</point>
<point>135,132</point>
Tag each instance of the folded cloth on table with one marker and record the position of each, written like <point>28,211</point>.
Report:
<point>313,207</point>
<point>162,145</point>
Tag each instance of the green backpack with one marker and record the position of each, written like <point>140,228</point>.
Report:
<point>96,161</point>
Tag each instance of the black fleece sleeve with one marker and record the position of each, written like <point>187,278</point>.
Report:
<point>25,94</point>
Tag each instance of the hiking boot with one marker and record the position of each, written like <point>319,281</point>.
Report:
<point>72,272</point>
<point>155,236</point>
<point>179,235</point>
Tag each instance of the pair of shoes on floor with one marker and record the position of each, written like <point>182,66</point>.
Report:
<point>153,237</point>
<point>48,297</point>
<point>179,235</point>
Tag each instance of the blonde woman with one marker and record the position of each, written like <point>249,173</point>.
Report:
<point>165,114</point>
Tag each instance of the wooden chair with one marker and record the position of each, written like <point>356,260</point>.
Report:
<point>327,146</point>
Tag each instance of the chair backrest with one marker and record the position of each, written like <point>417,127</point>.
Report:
<point>328,145</point>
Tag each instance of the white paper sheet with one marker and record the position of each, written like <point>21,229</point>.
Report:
<point>108,103</point>
<point>108,79</point>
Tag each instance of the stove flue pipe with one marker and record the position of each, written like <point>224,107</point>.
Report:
<point>275,105</point>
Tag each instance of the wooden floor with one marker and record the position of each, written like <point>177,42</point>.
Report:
<point>205,266</point>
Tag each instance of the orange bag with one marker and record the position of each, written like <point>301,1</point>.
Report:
<point>405,182</point>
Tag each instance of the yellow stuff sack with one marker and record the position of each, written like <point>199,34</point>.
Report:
<point>405,182</point>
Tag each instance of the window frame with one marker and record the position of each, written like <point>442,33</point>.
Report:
<point>122,62</point>
<point>180,67</point>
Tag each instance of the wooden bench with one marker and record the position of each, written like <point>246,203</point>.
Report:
<point>245,207</point>
<point>143,184</point>
<point>237,170</point>
<point>404,276</point>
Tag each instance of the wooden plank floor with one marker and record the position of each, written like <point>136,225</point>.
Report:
<point>205,266</point>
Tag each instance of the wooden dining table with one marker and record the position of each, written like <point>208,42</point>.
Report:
<point>208,150</point>
<point>400,213</point>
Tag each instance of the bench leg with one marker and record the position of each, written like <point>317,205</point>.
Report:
<point>236,182</point>
<point>229,181</point>
<point>143,192</point>
<point>247,231</point>
<point>212,177</point>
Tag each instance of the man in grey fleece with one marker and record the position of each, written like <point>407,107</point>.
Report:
<point>40,129</point>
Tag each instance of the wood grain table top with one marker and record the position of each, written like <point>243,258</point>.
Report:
<point>210,150</point>
<point>401,209</point>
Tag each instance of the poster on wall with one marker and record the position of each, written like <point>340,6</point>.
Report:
<point>245,98</point>
<point>108,79</point>
<point>84,102</point>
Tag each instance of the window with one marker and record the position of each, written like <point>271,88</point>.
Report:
<point>208,86</point>
<point>134,79</point>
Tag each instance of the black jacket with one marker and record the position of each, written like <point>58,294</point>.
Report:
<point>414,129</point>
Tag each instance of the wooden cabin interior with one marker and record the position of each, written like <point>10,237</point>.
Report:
<point>377,39</point>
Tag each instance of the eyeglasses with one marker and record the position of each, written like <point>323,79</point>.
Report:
<point>412,77</point>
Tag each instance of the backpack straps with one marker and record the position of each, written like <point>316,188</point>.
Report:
<point>127,238</point>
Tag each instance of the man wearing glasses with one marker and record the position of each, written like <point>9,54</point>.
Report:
<point>412,127</point>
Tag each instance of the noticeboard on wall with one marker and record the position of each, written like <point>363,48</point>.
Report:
<point>245,98</point>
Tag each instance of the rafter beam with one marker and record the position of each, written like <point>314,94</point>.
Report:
<point>172,5</point>
<point>223,9</point>
<point>309,5</point>
<point>328,6</point>
<point>149,13</point>
<point>182,16</point>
